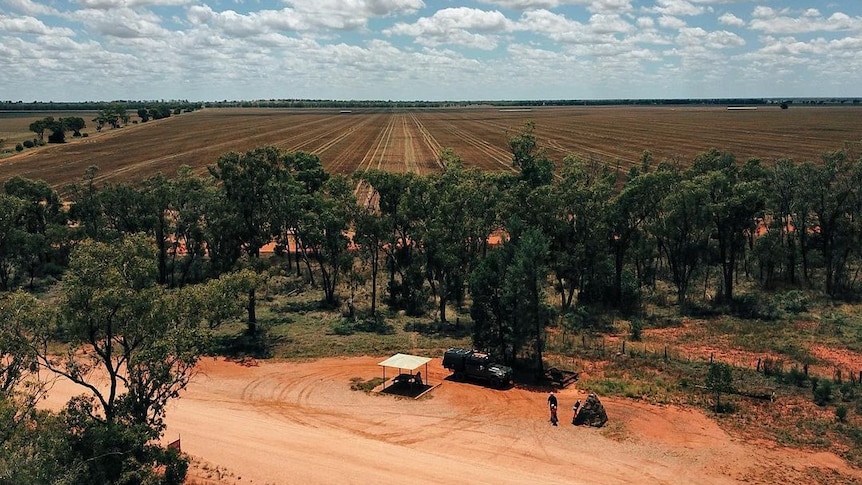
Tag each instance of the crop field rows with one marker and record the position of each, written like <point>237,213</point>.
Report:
<point>412,140</point>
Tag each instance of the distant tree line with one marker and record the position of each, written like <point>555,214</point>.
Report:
<point>114,115</point>
<point>377,104</point>
<point>180,106</point>
<point>144,272</point>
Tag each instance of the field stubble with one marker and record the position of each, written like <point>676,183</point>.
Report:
<point>411,140</point>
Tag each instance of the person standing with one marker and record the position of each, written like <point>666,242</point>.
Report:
<point>575,409</point>
<point>552,405</point>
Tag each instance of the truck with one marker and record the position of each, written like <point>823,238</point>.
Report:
<point>472,364</point>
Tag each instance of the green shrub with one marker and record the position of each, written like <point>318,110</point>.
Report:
<point>848,392</point>
<point>792,302</point>
<point>841,413</point>
<point>796,377</point>
<point>753,306</point>
<point>822,392</point>
<point>19,148</point>
<point>637,330</point>
<point>342,327</point>
<point>832,323</point>
<point>29,144</point>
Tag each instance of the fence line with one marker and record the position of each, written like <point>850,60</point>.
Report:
<point>765,365</point>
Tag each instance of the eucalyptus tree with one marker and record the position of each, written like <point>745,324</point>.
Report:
<point>322,226</point>
<point>533,165</point>
<point>132,346</point>
<point>830,190</point>
<point>19,390</point>
<point>370,233</point>
<point>191,197</point>
<point>47,123</point>
<point>778,248</point>
<point>682,231</point>
<point>447,228</point>
<point>297,195</point>
<point>630,212</point>
<point>578,227</point>
<point>406,278</point>
<point>45,235</point>
<point>12,237</point>
<point>241,220</point>
<point>507,287</point>
<point>85,209</point>
<point>734,200</point>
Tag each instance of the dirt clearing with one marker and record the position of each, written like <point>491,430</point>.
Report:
<point>298,423</point>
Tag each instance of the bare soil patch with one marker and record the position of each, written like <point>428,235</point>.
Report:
<point>299,422</point>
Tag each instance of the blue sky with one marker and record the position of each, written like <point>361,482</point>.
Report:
<point>78,50</point>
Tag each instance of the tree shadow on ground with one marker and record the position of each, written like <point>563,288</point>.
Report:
<point>302,306</point>
<point>438,329</point>
<point>259,345</point>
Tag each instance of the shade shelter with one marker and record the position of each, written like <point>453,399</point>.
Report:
<point>408,363</point>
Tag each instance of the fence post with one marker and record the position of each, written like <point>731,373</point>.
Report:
<point>711,354</point>
<point>624,347</point>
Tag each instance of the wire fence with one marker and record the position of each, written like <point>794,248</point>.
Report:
<point>603,348</point>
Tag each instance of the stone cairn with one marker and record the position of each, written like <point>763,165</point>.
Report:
<point>591,413</point>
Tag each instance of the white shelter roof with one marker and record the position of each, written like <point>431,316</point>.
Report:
<point>405,361</point>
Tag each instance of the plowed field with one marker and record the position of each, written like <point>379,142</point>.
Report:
<point>411,140</point>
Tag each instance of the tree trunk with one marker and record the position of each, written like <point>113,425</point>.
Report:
<point>374,267</point>
<point>252,315</point>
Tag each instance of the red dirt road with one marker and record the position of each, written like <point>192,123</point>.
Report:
<point>300,423</point>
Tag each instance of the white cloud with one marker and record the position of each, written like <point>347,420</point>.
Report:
<point>113,4</point>
<point>456,26</point>
<point>771,22</point>
<point>361,10</point>
<point>552,25</point>
<point>610,6</point>
<point>123,23</point>
<point>677,8</point>
<point>763,12</point>
<point>696,36</point>
<point>524,4</point>
<point>668,22</point>
<point>610,24</point>
<point>789,46</point>
<point>593,6</point>
<point>645,22</point>
<point>405,49</point>
<point>29,7</point>
<point>266,21</point>
<point>30,25</point>
<point>732,20</point>
<point>721,1</point>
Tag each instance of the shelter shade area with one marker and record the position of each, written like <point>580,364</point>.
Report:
<point>407,376</point>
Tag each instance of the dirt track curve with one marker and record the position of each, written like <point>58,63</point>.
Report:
<point>300,423</point>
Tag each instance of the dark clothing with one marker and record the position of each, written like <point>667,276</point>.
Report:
<point>552,400</point>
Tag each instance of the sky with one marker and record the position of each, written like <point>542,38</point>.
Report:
<point>434,50</point>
